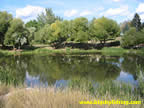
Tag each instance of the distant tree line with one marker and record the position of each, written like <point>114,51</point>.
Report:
<point>133,33</point>
<point>51,29</point>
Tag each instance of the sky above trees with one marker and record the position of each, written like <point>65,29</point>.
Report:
<point>119,10</point>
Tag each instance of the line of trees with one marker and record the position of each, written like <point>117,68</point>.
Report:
<point>51,29</point>
<point>133,33</point>
<point>12,31</point>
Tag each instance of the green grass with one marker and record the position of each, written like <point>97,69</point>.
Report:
<point>104,51</point>
<point>117,51</point>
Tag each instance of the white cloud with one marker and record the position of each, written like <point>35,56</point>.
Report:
<point>70,13</point>
<point>85,13</point>
<point>142,17</point>
<point>29,12</point>
<point>140,8</point>
<point>116,0</point>
<point>99,9</point>
<point>122,11</point>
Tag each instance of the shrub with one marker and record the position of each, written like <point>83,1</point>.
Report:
<point>132,38</point>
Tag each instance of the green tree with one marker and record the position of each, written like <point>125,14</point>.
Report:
<point>143,25</point>
<point>79,30</point>
<point>30,37</point>
<point>33,23</point>
<point>47,17</point>
<point>5,19</point>
<point>104,28</point>
<point>91,31</point>
<point>136,22</point>
<point>16,34</point>
<point>54,34</point>
<point>42,36</point>
<point>66,29</point>
<point>58,33</point>
<point>132,38</point>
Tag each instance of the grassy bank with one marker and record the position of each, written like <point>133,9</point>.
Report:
<point>45,50</point>
<point>62,98</point>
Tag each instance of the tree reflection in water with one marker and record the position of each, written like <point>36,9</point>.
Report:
<point>92,68</point>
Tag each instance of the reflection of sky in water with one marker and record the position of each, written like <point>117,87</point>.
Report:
<point>31,81</point>
<point>35,82</point>
<point>126,77</point>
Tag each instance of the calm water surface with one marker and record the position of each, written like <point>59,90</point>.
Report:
<point>58,70</point>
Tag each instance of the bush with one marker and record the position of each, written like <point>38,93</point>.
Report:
<point>132,38</point>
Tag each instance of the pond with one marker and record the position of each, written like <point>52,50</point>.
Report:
<point>58,70</point>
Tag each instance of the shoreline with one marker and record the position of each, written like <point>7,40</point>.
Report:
<point>67,51</point>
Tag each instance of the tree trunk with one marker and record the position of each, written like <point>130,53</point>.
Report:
<point>104,41</point>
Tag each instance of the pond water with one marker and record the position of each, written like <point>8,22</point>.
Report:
<point>58,70</point>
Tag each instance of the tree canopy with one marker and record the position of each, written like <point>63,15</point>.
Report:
<point>136,22</point>
<point>16,34</point>
<point>50,29</point>
<point>5,19</point>
<point>104,28</point>
<point>47,17</point>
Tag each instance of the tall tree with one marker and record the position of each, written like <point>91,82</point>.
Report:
<point>104,28</point>
<point>59,33</point>
<point>132,38</point>
<point>47,17</point>
<point>31,32</point>
<point>5,19</point>
<point>79,30</point>
<point>32,23</point>
<point>91,31</point>
<point>143,25</point>
<point>136,22</point>
<point>54,34</point>
<point>16,34</point>
<point>42,35</point>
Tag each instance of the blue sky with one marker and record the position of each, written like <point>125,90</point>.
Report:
<point>119,10</point>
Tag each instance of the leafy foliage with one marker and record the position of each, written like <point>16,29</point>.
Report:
<point>51,29</point>
<point>42,35</point>
<point>30,37</point>
<point>33,23</point>
<point>79,30</point>
<point>136,22</point>
<point>47,17</point>
<point>104,28</point>
<point>132,38</point>
<point>5,19</point>
<point>16,34</point>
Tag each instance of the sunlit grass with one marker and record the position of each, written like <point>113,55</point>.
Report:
<point>51,98</point>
